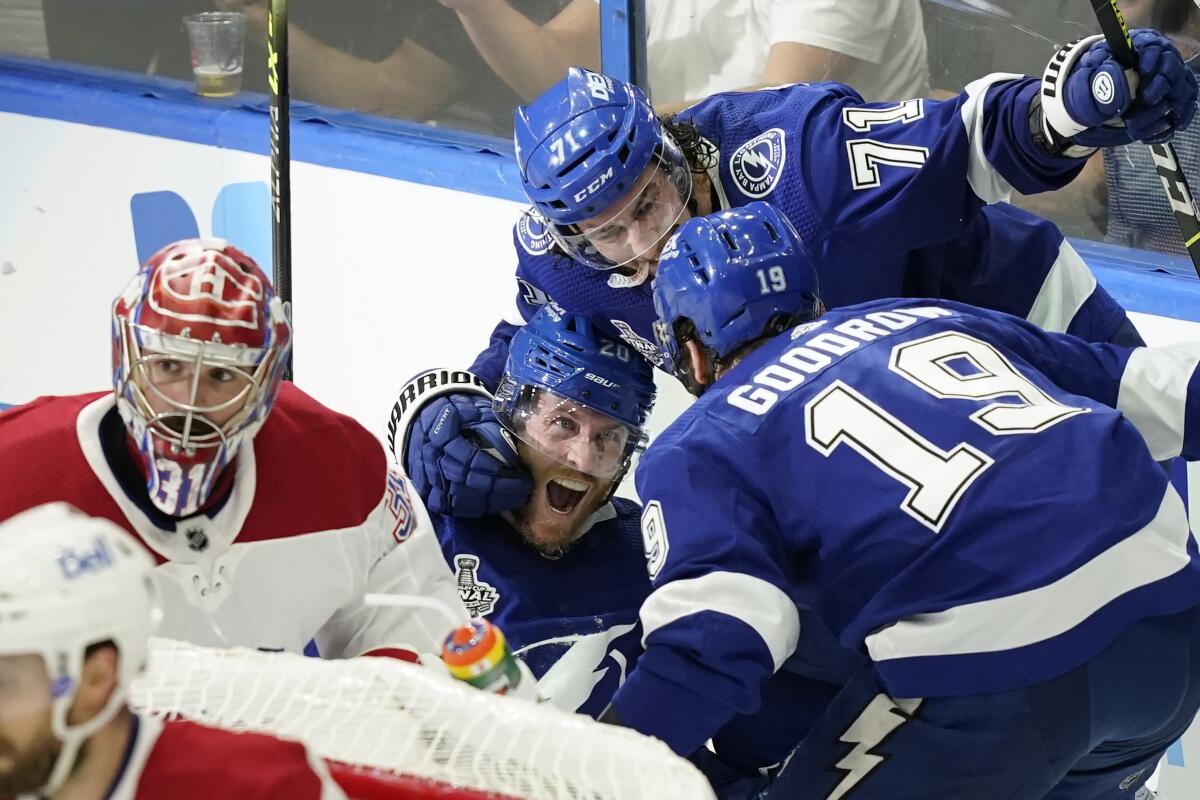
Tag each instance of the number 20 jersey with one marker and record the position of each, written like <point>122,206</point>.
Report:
<point>971,502</point>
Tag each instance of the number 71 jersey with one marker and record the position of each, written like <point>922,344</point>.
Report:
<point>972,502</point>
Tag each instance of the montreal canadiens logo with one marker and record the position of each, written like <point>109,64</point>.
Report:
<point>193,289</point>
<point>757,164</point>
<point>533,234</point>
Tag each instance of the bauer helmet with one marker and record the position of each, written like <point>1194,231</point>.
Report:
<point>734,276</point>
<point>200,341</point>
<point>69,581</point>
<point>601,173</point>
<point>575,393</point>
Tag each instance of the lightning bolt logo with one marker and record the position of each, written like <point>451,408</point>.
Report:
<point>755,158</point>
<point>879,719</point>
<point>758,163</point>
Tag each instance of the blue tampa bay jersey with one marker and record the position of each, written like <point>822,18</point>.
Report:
<point>574,619</point>
<point>972,503</point>
<point>892,200</point>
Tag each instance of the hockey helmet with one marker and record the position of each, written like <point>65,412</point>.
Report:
<point>585,149</point>
<point>200,341</point>
<point>576,394</point>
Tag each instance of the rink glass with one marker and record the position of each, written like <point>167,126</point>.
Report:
<point>217,40</point>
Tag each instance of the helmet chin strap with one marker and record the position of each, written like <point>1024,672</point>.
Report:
<point>72,737</point>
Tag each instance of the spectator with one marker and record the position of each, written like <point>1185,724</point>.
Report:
<point>699,47</point>
<point>375,56</point>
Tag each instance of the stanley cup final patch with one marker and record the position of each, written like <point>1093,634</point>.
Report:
<point>757,164</point>
<point>478,596</point>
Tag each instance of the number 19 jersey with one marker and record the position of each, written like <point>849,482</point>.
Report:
<point>972,503</point>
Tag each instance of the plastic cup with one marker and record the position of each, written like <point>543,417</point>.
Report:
<point>218,44</point>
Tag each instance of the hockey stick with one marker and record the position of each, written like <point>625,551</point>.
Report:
<point>1179,195</point>
<point>281,169</point>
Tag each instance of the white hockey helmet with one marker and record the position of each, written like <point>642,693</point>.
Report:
<point>68,581</point>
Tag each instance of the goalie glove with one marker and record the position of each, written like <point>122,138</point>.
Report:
<point>459,458</point>
<point>1087,100</point>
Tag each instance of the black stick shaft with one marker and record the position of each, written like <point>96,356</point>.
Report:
<point>281,172</point>
<point>1179,194</point>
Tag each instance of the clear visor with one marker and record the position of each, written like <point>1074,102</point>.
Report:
<point>637,225</point>
<point>25,688</point>
<point>574,435</point>
<point>194,394</point>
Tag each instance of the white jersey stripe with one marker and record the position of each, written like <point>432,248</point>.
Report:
<point>983,178</point>
<point>759,604</point>
<point>1067,287</point>
<point>1153,395</point>
<point>1005,623</point>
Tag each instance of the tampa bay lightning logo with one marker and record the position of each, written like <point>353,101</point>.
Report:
<point>757,164</point>
<point>533,234</point>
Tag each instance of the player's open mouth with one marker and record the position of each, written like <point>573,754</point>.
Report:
<point>564,494</point>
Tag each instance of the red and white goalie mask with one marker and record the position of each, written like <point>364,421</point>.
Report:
<point>200,341</point>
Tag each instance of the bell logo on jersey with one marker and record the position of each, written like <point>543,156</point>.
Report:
<point>74,565</point>
<point>757,164</point>
<point>478,596</point>
<point>188,290</point>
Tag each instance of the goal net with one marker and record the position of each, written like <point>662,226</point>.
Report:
<point>391,729</point>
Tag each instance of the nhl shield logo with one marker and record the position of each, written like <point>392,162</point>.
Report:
<point>533,234</point>
<point>757,164</point>
<point>479,597</point>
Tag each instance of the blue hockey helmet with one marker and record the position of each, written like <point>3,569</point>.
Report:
<point>575,393</point>
<point>585,149</point>
<point>733,274</point>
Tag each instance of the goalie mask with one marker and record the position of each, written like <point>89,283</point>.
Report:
<point>200,341</point>
<point>576,395</point>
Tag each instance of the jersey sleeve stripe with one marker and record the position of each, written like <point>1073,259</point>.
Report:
<point>1068,285</point>
<point>1153,553</point>
<point>982,176</point>
<point>1154,392</point>
<point>754,601</point>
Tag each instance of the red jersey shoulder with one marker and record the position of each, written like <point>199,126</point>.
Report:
<point>195,762</point>
<point>315,463</point>
<point>41,461</point>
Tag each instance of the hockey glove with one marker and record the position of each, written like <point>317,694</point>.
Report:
<point>1089,101</point>
<point>461,461</point>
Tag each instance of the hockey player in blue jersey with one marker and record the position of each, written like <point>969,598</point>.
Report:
<point>970,503</point>
<point>563,575</point>
<point>895,199</point>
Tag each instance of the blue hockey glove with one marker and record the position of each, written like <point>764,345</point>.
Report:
<point>461,461</point>
<point>1088,100</point>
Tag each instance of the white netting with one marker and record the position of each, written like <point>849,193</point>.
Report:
<point>395,716</point>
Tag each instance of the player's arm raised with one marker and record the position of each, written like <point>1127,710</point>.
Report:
<point>915,172</point>
<point>718,623</point>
